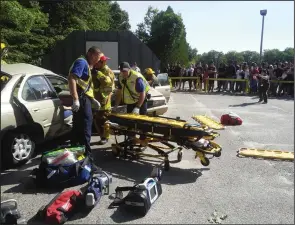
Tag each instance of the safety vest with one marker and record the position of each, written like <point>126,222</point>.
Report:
<point>130,95</point>
<point>85,84</point>
<point>104,86</point>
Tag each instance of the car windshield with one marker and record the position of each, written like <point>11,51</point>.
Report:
<point>163,79</point>
<point>4,79</point>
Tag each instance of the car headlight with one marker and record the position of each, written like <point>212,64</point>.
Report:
<point>159,103</point>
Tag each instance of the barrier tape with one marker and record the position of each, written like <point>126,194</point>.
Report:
<point>224,79</point>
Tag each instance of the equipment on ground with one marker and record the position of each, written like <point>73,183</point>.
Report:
<point>64,167</point>
<point>267,154</point>
<point>61,207</point>
<point>231,119</point>
<point>141,196</point>
<point>10,213</point>
<point>207,121</point>
<point>163,130</point>
<point>98,185</point>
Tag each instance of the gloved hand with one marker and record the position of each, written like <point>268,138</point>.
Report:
<point>136,111</point>
<point>96,104</point>
<point>75,106</point>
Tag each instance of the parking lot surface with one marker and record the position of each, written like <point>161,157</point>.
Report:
<point>247,190</point>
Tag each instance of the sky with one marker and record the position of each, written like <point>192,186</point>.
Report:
<point>226,25</point>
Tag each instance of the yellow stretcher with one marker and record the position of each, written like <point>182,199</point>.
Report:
<point>207,121</point>
<point>267,154</point>
<point>162,130</point>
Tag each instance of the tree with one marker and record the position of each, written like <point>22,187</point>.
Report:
<point>167,37</point>
<point>272,55</point>
<point>234,56</point>
<point>144,29</point>
<point>250,56</point>
<point>192,54</point>
<point>67,16</point>
<point>22,29</point>
<point>119,18</point>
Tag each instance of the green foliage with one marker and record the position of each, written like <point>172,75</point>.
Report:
<point>119,18</point>
<point>270,56</point>
<point>143,31</point>
<point>164,32</point>
<point>31,28</point>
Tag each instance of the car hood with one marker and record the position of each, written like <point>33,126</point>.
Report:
<point>154,92</point>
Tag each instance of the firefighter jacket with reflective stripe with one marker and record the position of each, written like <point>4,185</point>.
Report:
<point>103,81</point>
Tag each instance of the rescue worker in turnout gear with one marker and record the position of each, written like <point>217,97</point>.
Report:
<point>3,53</point>
<point>103,83</point>
<point>132,90</point>
<point>81,89</point>
<point>151,77</point>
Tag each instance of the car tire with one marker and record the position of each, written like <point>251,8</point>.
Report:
<point>18,148</point>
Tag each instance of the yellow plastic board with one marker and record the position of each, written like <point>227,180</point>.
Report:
<point>268,154</point>
<point>207,121</point>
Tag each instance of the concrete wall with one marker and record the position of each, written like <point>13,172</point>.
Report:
<point>130,49</point>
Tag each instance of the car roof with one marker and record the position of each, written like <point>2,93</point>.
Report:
<point>24,68</point>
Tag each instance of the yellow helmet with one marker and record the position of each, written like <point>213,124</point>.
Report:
<point>149,71</point>
<point>3,46</point>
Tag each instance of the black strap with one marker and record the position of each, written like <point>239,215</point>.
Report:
<point>126,188</point>
<point>131,94</point>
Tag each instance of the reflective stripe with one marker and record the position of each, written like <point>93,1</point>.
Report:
<point>131,96</point>
<point>84,84</point>
<point>105,82</point>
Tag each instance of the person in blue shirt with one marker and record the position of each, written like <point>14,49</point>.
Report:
<point>80,85</point>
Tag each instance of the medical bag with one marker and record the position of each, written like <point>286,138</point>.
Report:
<point>64,169</point>
<point>97,186</point>
<point>231,119</point>
<point>61,207</point>
<point>141,196</point>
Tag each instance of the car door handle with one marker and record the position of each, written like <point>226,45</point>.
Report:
<point>36,110</point>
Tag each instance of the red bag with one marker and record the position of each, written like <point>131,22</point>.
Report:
<point>231,119</point>
<point>61,207</point>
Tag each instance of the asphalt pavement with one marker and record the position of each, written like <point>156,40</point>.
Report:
<point>247,190</point>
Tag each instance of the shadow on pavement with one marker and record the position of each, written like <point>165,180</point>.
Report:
<point>135,171</point>
<point>244,104</point>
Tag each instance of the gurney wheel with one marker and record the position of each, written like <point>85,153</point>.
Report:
<point>206,162</point>
<point>217,154</point>
<point>179,156</point>
<point>166,165</point>
<point>115,150</point>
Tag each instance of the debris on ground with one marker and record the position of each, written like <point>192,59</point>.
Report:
<point>217,217</point>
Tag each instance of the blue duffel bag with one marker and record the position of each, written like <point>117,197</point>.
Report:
<point>64,174</point>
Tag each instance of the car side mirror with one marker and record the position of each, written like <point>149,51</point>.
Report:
<point>58,90</point>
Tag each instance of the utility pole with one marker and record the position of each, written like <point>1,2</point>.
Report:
<point>263,14</point>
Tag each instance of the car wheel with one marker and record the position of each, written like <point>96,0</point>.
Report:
<point>18,148</point>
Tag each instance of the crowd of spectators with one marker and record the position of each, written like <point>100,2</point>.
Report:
<point>245,71</point>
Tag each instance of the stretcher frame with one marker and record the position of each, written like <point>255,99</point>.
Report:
<point>131,146</point>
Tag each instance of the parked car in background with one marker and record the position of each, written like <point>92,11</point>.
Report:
<point>160,95</point>
<point>31,110</point>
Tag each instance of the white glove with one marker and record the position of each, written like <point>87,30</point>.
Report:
<point>136,111</point>
<point>75,106</point>
<point>96,103</point>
